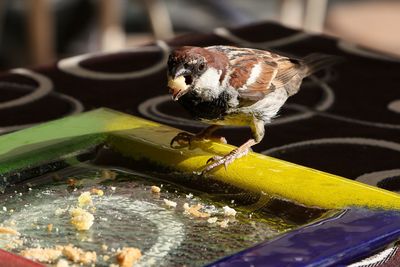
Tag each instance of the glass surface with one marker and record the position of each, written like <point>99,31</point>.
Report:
<point>129,214</point>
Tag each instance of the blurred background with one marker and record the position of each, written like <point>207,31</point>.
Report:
<point>36,32</point>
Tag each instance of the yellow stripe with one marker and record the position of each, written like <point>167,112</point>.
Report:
<point>253,172</point>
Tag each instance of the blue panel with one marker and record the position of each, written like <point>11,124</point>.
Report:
<point>343,238</point>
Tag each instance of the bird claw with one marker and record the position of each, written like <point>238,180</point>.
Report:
<point>183,139</point>
<point>186,139</point>
<point>216,161</point>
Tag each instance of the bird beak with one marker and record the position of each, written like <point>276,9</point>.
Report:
<point>177,84</point>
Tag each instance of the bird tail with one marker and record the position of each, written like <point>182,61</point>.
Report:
<point>317,61</point>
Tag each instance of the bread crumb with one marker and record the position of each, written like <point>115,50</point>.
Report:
<point>47,255</point>
<point>195,211</point>
<point>212,220</point>
<point>155,189</point>
<point>81,219</point>
<point>62,263</point>
<point>128,256</point>
<point>96,191</point>
<point>50,227</point>
<point>107,174</point>
<point>223,224</point>
<point>113,188</point>
<point>104,247</point>
<point>72,182</point>
<point>60,211</point>
<point>229,211</point>
<point>106,257</point>
<point>14,243</point>
<point>85,200</point>
<point>78,255</point>
<point>169,203</point>
<point>8,231</point>
<point>178,83</point>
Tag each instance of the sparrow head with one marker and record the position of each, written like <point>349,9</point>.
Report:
<point>185,67</point>
<point>196,68</point>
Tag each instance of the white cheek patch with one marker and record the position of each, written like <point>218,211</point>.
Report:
<point>208,84</point>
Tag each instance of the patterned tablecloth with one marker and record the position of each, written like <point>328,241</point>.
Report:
<point>345,121</point>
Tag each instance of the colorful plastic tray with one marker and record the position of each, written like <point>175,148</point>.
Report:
<point>366,218</point>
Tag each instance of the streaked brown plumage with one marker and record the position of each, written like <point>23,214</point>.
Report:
<point>226,85</point>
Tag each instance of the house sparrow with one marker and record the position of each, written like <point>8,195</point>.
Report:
<point>226,85</point>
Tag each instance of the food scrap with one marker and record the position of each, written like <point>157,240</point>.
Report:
<point>212,220</point>
<point>62,263</point>
<point>85,200</point>
<point>81,219</point>
<point>229,212</point>
<point>223,223</point>
<point>107,174</point>
<point>72,182</point>
<point>169,203</point>
<point>47,255</point>
<point>195,211</point>
<point>128,256</point>
<point>50,227</point>
<point>155,189</point>
<point>96,191</point>
<point>78,255</point>
<point>8,231</point>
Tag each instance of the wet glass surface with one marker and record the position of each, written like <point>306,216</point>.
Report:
<point>128,214</point>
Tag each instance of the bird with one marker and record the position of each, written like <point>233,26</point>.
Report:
<point>226,85</point>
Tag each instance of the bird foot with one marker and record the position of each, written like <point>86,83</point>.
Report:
<point>225,160</point>
<point>186,139</point>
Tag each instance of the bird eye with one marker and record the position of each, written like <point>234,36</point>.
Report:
<point>202,66</point>
<point>186,65</point>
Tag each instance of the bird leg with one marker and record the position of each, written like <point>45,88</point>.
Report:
<point>257,128</point>
<point>185,138</point>
<point>230,157</point>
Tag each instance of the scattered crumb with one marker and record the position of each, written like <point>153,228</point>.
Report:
<point>50,227</point>
<point>113,265</point>
<point>4,208</point>
<point>107,174</point>
<point>78,255</point>
<point>47,255</point>
<point>169,203</point>
<point>229,211</point>
<point>72,182</point>
<point>212,220</point>
<point>195,211</point>
<point>223,224</point>
<point>62,263</point>
<point>96,191</point>
<point>81,219</point>
<point>8,231</point>
<point>14,243</point>
<point>190,195</point>
<point>128,256</point>
<point>113,188</point>
<point>106,257</point>
<point>155,189</point>
<point>60,211</point>
<point>85,199</point>
<point>104,247</point>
